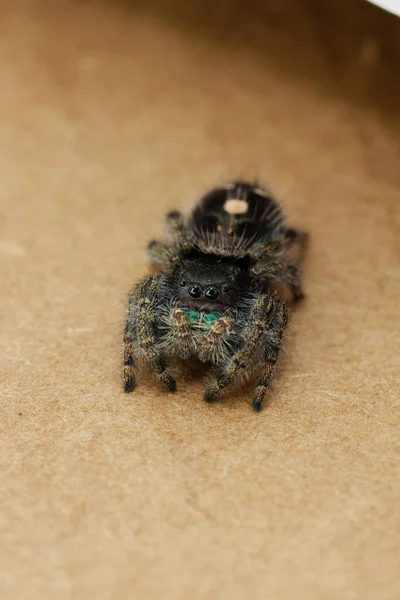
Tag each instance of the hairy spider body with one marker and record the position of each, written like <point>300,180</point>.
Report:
<point>214,294</point>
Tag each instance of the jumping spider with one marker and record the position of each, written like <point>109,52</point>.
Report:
<point>214,296</point>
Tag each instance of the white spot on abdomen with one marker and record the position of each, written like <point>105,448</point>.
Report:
<point>236,207</point>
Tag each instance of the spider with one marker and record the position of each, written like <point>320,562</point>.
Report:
<point>214,293</point>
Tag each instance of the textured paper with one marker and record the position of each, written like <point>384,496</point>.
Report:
<point>110,116</point>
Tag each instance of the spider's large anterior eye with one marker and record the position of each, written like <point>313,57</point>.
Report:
<point>211,293</point>
<point>194,291</point>
<point>225,288</point>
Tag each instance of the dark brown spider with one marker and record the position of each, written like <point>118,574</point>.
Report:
<point>214,295</point>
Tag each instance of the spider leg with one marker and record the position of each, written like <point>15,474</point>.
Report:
<point>141,335</point>
<point>295,243</point>
<point>278,261</point>
<point>129,361</point>
<point>260,250</point>
<point>161,254</point>
<point>288,274</point>
<point>182,238</point>
<point>295,286</point>
<point>292,278</point>
<point>175,223</point>
<point>278,326</point>
<point>243,357</point>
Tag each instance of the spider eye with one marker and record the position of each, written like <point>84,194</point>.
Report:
<point>211,293</point>
<point>225,288</point>
<point>194,291</point>
<point>183,282</point>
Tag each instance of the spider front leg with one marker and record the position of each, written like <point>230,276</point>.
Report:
<point>141,335</point>
<point>261,319</point>
<point>278,324</point>
<point>129,361</point>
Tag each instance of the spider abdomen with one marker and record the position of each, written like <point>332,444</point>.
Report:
<point>231,219</point>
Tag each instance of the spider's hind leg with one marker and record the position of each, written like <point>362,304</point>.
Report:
<point>293,280</point>
<point>295,243</point>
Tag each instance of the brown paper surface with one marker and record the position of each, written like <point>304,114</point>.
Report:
<point>113,113</point>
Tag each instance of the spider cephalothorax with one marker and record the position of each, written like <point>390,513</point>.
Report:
<point>211,282</point>
<point>214,294</point>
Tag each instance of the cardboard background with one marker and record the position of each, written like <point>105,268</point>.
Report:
<point>392,5</point>
<point>111,114</point>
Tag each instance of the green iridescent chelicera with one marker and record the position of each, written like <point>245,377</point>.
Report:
<point>211,317</point>
<point>193,315</point>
